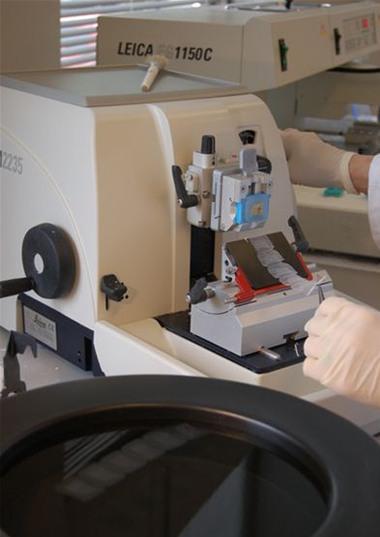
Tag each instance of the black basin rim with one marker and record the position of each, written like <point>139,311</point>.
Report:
<point>245,410</point>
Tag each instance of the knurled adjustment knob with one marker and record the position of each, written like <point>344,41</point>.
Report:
<point>208,144</point>
<point>247,136</point>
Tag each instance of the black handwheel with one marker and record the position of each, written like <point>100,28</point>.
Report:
<point>57,272</point>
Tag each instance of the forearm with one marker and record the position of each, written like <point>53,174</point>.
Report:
<point>315,163</point>
<point>359,171</point>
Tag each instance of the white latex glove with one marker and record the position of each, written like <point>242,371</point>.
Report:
<point>314,163</point>
<point>343,349</point>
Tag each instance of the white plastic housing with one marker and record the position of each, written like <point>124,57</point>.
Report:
<point>103,174</point>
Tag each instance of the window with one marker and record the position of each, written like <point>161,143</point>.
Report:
<point>79,24</point>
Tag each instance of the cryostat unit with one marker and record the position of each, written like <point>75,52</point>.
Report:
<point>261,46</point>
<point>164,229</point>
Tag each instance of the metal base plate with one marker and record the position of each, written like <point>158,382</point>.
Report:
<point>179,323</point>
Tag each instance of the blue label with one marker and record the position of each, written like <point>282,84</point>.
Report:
<point>253,209</point>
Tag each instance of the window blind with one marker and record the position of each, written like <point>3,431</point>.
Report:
<point>78,20</point>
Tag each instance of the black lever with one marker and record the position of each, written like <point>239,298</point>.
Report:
<point>15,286</point>
<point>208,144</point>
<point>264,164</point>
<point>16,345</point>
<point>113,288</point>
<point>185,200</point>
<point>299,237</point>
<point>199,292</point>
<point>337,40</point>
<point>247,136</point>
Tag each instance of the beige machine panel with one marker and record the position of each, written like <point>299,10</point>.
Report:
<point>338,225</point>
<point>115,86</point>
<point>355,33</point>
<point>208,50</point>
<point>259,49</point>
<point>274,48</point>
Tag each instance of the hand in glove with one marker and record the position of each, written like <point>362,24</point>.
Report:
<point>343,349</point>
<point>318,164</point>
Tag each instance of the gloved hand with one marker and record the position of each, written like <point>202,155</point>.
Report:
<point>343,349</point>
<point>314,163</point>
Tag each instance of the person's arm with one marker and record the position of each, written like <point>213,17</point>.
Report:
<point>318,164</point>
<point>315,163</point>
<point>343,349</point>
<point>359,167</point>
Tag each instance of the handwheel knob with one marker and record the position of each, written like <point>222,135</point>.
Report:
<point>55,278</point>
